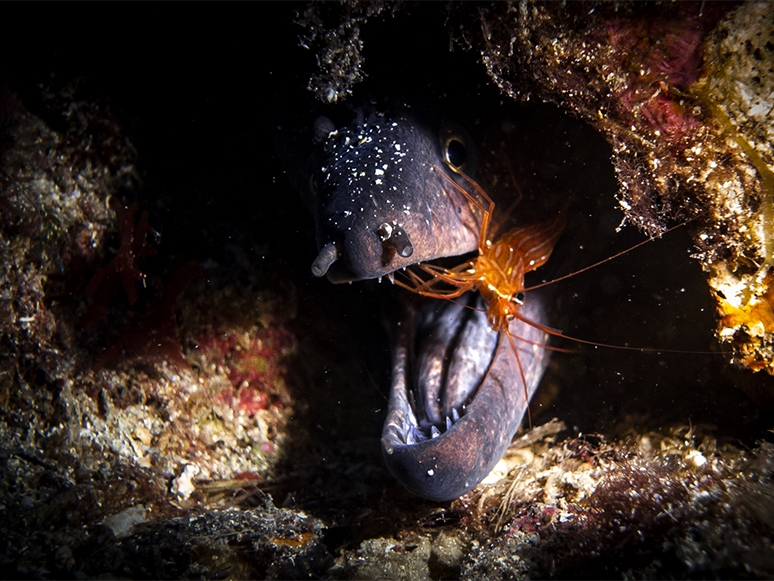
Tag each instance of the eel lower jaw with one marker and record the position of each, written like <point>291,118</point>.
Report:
<point>442,460</point>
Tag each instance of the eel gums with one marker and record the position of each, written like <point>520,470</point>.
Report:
<point>454,407</point>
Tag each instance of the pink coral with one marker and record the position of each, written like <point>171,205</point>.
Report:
<point>251,364</point>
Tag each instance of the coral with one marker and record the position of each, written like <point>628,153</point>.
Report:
<point>737,88</point>
<point>338,50</point>
<point>625,71</point>
<point>134,441</point>
<point>681,94</point>
<point>52,221</point>
<point>251,363</point>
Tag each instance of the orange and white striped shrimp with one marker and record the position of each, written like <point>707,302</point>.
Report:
<point>498,271</point>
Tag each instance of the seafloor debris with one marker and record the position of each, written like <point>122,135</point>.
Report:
<point>606,505</point>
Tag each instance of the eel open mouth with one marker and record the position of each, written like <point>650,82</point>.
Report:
<point>454,407</point>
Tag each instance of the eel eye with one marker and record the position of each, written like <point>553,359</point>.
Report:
<point>456,148</point>
<point>518,298</point>
<point>455,153</point>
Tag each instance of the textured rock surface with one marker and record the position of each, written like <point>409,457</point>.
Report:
<point>683,95</point>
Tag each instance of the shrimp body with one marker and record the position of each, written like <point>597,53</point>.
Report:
<point>498,271</point>
<point>502,265</point>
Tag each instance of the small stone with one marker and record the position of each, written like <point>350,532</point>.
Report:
<point>122,523</point>
<point>142,434</point>
<point>183,485</point>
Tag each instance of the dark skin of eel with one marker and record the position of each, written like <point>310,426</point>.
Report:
<point>456,399</point>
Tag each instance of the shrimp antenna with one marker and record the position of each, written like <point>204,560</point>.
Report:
<point>555,333</point>
<point>603,261</point>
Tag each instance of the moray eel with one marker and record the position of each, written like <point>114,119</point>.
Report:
<point>445,429</point>
<point>456,399</point>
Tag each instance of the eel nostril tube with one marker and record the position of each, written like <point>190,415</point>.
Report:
<point>394,236</point>
<point>327,256</point>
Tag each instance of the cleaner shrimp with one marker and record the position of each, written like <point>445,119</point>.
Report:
<point>451,414</point>
<point>498,271</point>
